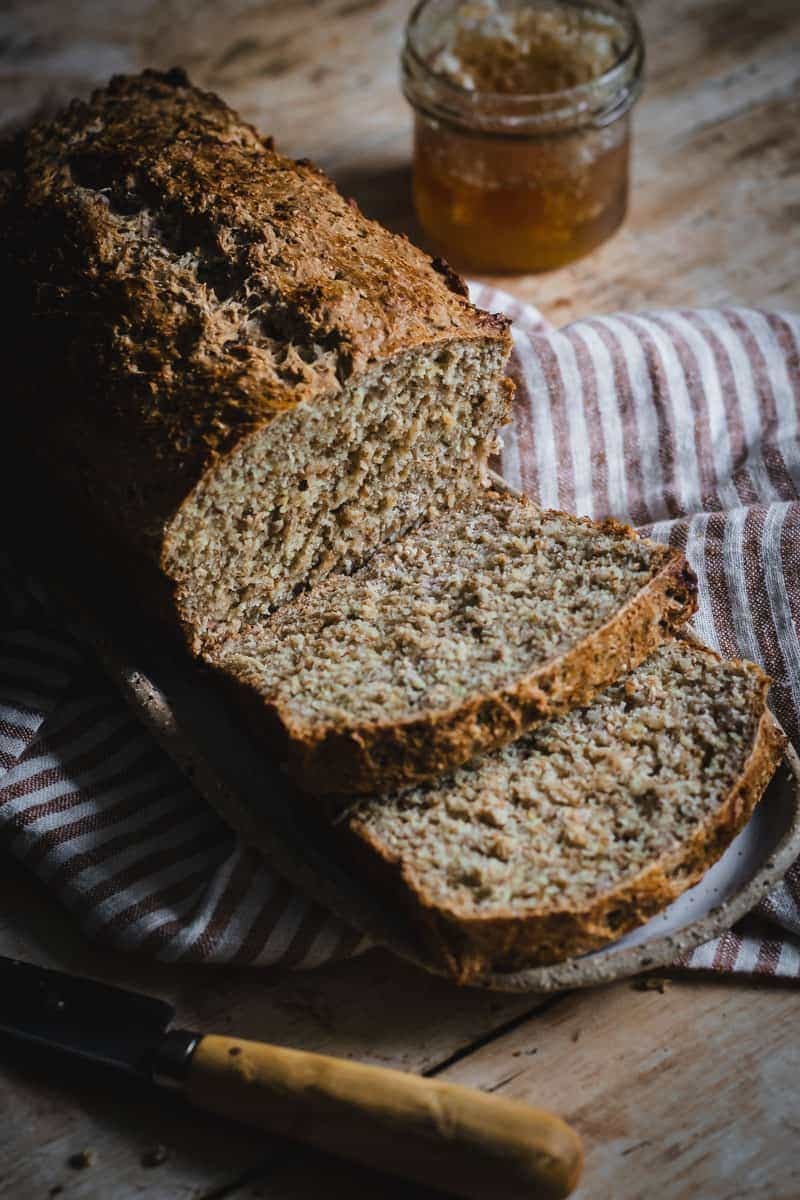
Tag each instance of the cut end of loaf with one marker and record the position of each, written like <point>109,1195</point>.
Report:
<point>588,825</point>
<point>321,487</point>
<point>278,384</point>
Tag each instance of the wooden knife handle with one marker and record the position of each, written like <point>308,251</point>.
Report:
<point>462,1141</point>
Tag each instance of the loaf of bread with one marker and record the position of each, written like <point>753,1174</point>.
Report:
<point>585,827</point>
<point>235,374</point>
<point>250,386</point>
<point>455,640</point>
<point>249,392</point>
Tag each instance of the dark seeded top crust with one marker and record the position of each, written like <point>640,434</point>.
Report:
<point>188,283</point>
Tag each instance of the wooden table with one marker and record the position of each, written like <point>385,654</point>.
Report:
<point>689,1092</point>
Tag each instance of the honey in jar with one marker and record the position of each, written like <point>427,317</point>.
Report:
<point>522,132</point>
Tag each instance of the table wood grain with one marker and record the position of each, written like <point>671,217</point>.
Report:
<point>689,1091</point>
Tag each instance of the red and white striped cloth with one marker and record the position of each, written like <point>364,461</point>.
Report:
<point>686,424</point>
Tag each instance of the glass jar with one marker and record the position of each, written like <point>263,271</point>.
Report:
<point>522,126</point>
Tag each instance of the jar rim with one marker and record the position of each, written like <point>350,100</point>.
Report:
<point>620,84</point>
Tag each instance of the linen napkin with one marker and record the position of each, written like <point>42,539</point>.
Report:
<point>684,423</point>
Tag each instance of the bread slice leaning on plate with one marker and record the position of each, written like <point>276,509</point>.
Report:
<point>454,640</point>
<point>585,827</point>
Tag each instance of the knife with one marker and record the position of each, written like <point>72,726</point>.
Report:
<point>462,1141</point>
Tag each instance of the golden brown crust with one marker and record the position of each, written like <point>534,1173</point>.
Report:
<point>470,948</point>
<point>187,283</point>
<point>379,757</point>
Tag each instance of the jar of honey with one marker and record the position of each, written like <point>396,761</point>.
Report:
<point>522,126</point>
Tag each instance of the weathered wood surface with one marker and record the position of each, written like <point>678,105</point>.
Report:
<point>687,1093</point>
<point>716,195</point>
<point>672,1093</point>
<point>374,1009</point>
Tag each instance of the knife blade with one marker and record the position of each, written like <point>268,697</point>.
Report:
<point>465,1142</point>
<point>79,1016</point>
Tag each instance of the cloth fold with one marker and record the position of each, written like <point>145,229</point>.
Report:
<point>685,424</point>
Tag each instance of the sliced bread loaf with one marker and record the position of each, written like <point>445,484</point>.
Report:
<point>586,826</point>
<point>234,374</point>
<point>455,640</point>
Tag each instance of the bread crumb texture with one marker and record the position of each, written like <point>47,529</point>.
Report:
<point>468,603</point>
<point>582,804</point>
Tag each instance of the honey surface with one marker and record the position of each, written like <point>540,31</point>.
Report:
<point>527,51</point>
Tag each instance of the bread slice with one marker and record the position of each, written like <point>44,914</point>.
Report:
<point>585,827</point>
<point>455,640</point>
<point>240,381</point>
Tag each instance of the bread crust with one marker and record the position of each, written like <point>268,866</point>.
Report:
<point>179,285</point>
<point>469,948</point>
<point>379,757</point>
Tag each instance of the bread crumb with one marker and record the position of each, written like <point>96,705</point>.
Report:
<point>650,984</point>
<point>81,1160</point>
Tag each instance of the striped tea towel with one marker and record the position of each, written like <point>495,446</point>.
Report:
<point>686,424</point>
